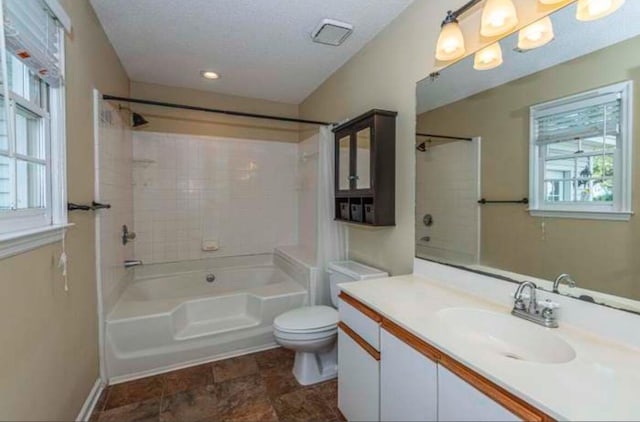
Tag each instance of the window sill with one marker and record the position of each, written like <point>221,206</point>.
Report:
<point>583,215</point>
<point>15,243</point>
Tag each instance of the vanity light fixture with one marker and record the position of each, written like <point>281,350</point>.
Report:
<point>488,58</point>
<point>498,18</point>
<point>451,41</point>
<point>536,35</point>
<point>210,75</point>
<point>590,10</point>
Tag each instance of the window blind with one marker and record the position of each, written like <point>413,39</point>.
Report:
<point>600,118</point>
<point>32,34</point>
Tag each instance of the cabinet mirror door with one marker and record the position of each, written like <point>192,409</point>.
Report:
<point>363,159</point>
<point>344,159</point>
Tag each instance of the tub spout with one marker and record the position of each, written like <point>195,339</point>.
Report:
<point>130,263</point>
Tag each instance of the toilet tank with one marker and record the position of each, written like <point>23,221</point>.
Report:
<point>346,271</point>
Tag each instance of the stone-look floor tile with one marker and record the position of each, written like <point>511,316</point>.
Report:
<point>199,404</point>
<point>228,369</point>
<point>188,379</point>
<point>329,392</point>
<point>135,391</point>
<point>239,391</point>
<point>260,410</point>
<point>303,405</point>
<point>145,411</point>
<point>275,358</point>
<point>279,381</point>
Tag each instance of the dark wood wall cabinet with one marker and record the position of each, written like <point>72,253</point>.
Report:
<point>365,169</point>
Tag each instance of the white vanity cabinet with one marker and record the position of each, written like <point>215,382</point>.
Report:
<point>460,401</point>
<point>358,361</point>
<point>387,373</point>
<point>408,382</point>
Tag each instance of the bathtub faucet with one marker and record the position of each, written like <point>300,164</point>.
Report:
<point>130,263</point>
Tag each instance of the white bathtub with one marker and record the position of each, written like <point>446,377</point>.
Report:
<point>171,317</point>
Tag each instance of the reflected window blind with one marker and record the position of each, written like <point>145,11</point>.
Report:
<point>32,34</point>
<point>596,117</point>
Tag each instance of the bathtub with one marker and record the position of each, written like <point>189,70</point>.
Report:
<point>170,316</point>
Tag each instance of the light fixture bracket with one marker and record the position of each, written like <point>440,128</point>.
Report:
<point>452,16</point>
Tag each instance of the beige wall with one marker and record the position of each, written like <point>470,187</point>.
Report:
<point>199,123</point>
<point>49,337</point>
<point>384,75</point>
<point>600,255</point>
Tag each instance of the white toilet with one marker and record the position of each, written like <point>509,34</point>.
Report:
<point>312,331</point>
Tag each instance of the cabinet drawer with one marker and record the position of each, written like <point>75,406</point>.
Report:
<point>366,326</point>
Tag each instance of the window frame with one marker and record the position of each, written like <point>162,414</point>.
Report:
<point>620,209</point>
<point>33,228</point>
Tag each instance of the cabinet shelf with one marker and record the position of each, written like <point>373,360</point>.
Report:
<point>365,169</point>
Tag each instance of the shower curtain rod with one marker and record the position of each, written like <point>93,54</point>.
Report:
<point>214,110</point>
<point>430,135</point>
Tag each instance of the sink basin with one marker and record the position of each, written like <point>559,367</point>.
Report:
<point>507,336</point>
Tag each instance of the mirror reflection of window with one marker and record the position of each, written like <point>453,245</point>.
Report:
<point>344,179</point>
<point>363,164</point>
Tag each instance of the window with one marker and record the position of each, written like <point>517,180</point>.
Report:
<point>580,160</point>
<point>32,121</point>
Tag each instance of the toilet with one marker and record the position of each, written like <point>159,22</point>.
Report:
<point>312,331</point>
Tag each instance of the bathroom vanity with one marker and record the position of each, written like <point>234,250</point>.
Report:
<point>423,348</point>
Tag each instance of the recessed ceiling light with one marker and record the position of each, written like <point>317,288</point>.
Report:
<point>209,74</point>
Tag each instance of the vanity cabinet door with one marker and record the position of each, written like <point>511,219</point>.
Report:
<point>408,382</point>
<point>460,401</point>
<point>358,380</point>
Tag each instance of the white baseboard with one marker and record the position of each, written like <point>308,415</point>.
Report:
<point>91,401</point>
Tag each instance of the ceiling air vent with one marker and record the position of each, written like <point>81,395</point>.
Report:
<point>331,32</point>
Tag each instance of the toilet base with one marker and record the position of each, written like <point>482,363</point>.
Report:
<point>311,368</point>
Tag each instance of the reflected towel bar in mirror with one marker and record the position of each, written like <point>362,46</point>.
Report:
<point>520,201</point>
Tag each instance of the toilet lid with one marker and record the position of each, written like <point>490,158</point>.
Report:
<point>308,318</point>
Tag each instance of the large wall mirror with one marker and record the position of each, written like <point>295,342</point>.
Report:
<point>532,170</point>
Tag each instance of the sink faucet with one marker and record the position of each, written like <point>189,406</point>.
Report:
<point>542,313</point>
<point>563,277</point>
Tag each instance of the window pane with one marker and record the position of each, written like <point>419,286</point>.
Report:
<point>4,140</point>
<point>29,139</point>
<point>31,189</point>
<point>5,183</point>
<point>562,148</point>
<point>561,169</point>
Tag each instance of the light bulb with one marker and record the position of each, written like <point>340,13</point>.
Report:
<point>589,10</point>
<point>488,58</point>
<point>498,18</point>
<point>536,35</point>
<point>450,43</point>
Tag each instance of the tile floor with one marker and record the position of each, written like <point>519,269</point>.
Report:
<point>257,387</point>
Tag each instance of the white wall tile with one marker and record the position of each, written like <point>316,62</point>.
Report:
<point>242,193</point>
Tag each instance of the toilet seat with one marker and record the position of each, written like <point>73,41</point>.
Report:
<point>307,320</point>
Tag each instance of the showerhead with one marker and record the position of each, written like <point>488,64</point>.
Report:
<point>138,121</point>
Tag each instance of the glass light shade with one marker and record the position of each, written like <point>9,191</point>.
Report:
<point>589,10</point>
<point>488,58</point>
<point>536,35</point>
<point>450,43</point>
<point>552,1</point>
<point>498,18</point>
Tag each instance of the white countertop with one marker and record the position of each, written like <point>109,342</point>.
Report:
<point>601,383</point>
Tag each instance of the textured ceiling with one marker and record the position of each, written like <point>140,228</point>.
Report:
<point>573,39</point>
<point>261,48</point>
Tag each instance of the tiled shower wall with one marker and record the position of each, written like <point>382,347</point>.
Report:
<point>188,189</point>
<point>113,186</point>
